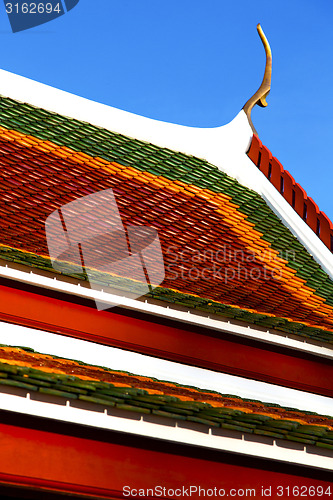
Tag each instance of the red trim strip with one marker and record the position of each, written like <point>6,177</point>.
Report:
<point>174,341</point>
<point>62,462</point>
<point>291,191</point>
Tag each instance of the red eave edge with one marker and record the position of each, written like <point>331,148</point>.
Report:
<point>295,195</point>
<point>96,465</point>
<point>191,346</point>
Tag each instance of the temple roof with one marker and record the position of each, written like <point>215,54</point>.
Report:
<point>225,251</point>
<point>48,375</point>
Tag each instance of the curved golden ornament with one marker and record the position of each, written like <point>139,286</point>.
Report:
<point>260,96</point>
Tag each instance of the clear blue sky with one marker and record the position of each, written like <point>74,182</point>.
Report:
<point>197,62</point>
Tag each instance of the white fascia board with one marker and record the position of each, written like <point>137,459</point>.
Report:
<point>164,311</point>
<point>207,438</point>
<point>225,146</point>
<point>161,369</point>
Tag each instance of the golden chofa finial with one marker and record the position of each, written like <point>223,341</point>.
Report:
<point>260,96</point>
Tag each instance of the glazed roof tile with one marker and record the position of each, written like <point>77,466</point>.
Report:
<point>50,375</point>
<point>258,271</point>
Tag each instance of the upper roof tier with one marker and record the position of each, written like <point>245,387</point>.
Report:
<point>231,243</point>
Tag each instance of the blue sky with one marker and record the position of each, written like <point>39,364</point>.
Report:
<point>196,63</point>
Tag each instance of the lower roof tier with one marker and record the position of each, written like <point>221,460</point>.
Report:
<point>49,375</point>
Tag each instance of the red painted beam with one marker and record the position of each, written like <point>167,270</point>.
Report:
<point>276,173</point>
<point>265,160</point>
<point>326,229</point>
<point>174,341</point>
<point>289,183</point>
<point>50,460</point>
<point>255,150</point>
<point>312,214</point>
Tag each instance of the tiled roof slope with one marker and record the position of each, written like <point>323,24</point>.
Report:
<point>292,191</point>
<point>49,375</point>
<point>48,160</point>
